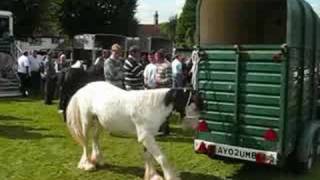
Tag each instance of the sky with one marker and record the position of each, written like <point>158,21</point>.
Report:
<point>168,8</point>
<point>165,8</point>
<point>315,4</point>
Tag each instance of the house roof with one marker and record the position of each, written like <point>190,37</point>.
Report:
<point>147,30</point>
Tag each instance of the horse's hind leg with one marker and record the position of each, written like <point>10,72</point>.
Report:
<point>85,162</point>
<point>96,156</point>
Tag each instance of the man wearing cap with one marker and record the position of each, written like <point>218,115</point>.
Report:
<point>133,70</point>
<point>24,73</point>
<point>113,71</point>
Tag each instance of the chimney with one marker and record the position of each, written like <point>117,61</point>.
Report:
<point>156,18</point>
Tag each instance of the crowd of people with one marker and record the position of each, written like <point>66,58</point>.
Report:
<point>46,75</point>
<point>39,73</point>
<point>156,69</point>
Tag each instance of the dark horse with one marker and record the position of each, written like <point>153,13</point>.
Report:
<point>75,78</point>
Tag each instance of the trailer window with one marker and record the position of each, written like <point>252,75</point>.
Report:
<point>4,27</point>
<point>243,22</point>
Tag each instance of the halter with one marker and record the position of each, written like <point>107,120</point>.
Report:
<point>189,98</point>
<point>188,116</point>
<point>195,60</point>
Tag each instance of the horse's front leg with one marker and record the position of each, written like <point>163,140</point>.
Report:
<point>152,147</point>
<point>150,171</point>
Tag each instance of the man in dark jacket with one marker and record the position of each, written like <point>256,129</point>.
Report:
<point>51,80</point>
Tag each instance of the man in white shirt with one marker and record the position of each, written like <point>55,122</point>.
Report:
<point>177,74</point>
<point>35,64</point>
<point>24,73</point>
<point>104,56</point>
<point>150,72</point>
<point>96,72</point>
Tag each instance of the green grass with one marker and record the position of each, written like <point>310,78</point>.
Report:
<point>35,145</point>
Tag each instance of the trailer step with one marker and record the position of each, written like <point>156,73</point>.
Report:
<point>10,94</point>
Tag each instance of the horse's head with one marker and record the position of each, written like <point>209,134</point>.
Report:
<point>184,101</point>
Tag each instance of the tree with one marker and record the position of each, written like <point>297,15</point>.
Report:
<point>169,28</point>
<point>33,17</point>
<point>186,26</point>
<point>49,23</point>
<point>26,15</point>
<point>98,16</point>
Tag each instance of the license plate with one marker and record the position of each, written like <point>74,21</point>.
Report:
<point>235,152</point>
<point>241,153</point>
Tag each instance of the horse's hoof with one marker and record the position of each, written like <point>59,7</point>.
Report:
<point>175,178</point>
<point>87,167</point>
<point>156,177</point>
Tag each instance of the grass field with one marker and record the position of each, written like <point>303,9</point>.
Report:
<point>35,145</point>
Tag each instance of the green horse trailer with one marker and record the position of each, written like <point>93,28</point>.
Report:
<point>258,76</point>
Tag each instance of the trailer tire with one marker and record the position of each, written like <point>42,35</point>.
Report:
<point>316,144</point>
<point>313,154</point>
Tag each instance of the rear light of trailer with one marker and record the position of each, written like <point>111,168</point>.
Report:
<point>264,158</point>
<point>202,126</point>
<point>202,148</point>
<point>270,135</point>
<point>260,158</point>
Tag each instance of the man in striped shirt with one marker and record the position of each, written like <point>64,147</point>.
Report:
<point>163,80</point>
<point>133,70</point>
<point>164,70</point>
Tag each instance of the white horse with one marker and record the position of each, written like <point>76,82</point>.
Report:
<point>139,113</point>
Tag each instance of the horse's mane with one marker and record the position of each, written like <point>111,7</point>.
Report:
<point>153,97</point>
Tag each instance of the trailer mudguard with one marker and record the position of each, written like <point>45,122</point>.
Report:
<point>305,140</point>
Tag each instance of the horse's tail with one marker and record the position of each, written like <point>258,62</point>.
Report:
<point>74,120</point>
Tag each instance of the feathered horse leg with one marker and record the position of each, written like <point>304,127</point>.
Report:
<point>150,171</point>
<point>152,147</point>
<point>96,155</point>
<point>79,124</point>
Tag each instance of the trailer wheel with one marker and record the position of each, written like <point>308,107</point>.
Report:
<point>314,152</point>
<point>316,142</point>
<point>311,159</point>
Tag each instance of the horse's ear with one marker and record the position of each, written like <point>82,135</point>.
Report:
<point>170,97</point>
